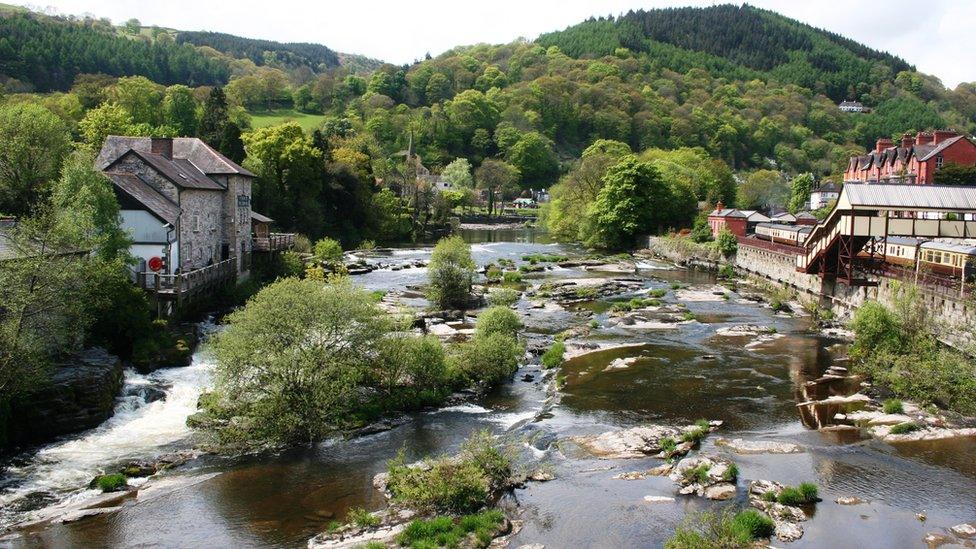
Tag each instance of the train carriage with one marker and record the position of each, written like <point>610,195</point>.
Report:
<point>955,260</point>
<point>793,235</point>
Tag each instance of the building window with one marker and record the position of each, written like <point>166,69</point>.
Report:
<point>196,223</point>
<point>939,161</point>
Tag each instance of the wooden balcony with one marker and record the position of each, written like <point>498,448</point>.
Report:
<point>274,242</point>
<point>184,288</point>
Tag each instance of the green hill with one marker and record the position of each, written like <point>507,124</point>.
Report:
<point>45,53</point>
<point>736,40</point>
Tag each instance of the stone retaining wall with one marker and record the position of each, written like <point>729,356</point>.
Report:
<point>952,313</point>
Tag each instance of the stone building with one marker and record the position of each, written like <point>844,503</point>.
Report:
<point>186,205</point>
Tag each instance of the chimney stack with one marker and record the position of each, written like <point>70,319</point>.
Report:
<point>883,144</point>
<point>907,140</point>
<point>163,146</point>
<point>923,138</point>
<point>719,206</point>
<point>941,135</point>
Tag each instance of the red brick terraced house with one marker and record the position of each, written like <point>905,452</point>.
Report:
<point>914,160</point>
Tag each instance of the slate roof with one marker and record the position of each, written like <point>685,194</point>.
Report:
<point>255,216</point>
<point>904,240</point>
<point>829,187</point>
<point>179,171</point>
<point>727,212</point>
<point>203,156</point>
<point>140,191</point>
<point>936,149</point>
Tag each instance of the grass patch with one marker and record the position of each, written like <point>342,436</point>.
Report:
<point>553,356</point>
<point>769,496</point>
<point>695,435</point>
<point>722,530</point>
<point>512,277</point>
<point>751,524</point>
<point>697,474</point>
<point>448,532</point>
<point>668,445</point>
<point>805,493</point>
<point>731,473</point>
<point>308,122</point>
<point>362,518</point>
<point>893,406</point>
<point>658,293</point>
<point>114,482</point>
<point>904,428</point>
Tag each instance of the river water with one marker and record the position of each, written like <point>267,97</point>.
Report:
<point>680,375</point>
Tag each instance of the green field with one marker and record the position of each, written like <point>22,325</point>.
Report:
<point>308,122</point>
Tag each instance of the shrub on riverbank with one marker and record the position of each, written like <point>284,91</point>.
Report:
<point>308,358</point>
<point>504,297</point>
<point>488,359</point>
<point>498,320</point>
<point>450,273</point>
<point>459,484</point>
<point>896,348</point>
<point>726,243</point>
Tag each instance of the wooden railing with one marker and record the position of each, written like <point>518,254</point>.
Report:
<point>188,285</point>
<point>274,242</point>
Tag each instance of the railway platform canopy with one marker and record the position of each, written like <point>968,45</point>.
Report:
<point>873,212</point>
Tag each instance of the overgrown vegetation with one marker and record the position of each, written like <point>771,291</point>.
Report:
<point>356,363</point>
<point>553,357</point>
<point>897,348</point>
<point>721,530</point>
<point>803,494</point>
<point>444,531</point>
<point>458,485</point>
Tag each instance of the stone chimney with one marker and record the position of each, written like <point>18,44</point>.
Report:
<point>907,140</point>
<point>883,144</point>
<point>719,206</point>
<point>163,146</point>
<point>923,138</point>
<point>941,135</point>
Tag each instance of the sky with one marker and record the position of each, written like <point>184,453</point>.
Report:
<point>930,35</point>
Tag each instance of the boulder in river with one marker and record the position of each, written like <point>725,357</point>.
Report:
<point>636,442</point>
<point>964,530</point>
<point>710,476</point>
<point>741,446</point>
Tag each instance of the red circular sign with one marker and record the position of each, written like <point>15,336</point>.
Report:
<point>155,264</point>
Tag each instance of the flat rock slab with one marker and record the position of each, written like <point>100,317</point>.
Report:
<point>964,530</point>
<point>658,499</point>
<point>744,330</point>
<point>924,434</point>
<point>741,446</point>
<point>849,500</point>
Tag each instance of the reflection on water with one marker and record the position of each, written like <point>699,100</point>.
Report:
<point>681,374</point>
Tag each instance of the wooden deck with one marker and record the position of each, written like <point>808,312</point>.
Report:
<point>274,242</point>
<point>180,290</point>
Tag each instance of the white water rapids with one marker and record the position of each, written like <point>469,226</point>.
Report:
<point>60,472</point>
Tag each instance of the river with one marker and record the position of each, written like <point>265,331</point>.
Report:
<point>680,375</point>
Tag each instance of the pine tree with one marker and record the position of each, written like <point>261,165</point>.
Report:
<point>214,119</point>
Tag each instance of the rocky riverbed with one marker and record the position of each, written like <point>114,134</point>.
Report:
<point>788,414</point>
